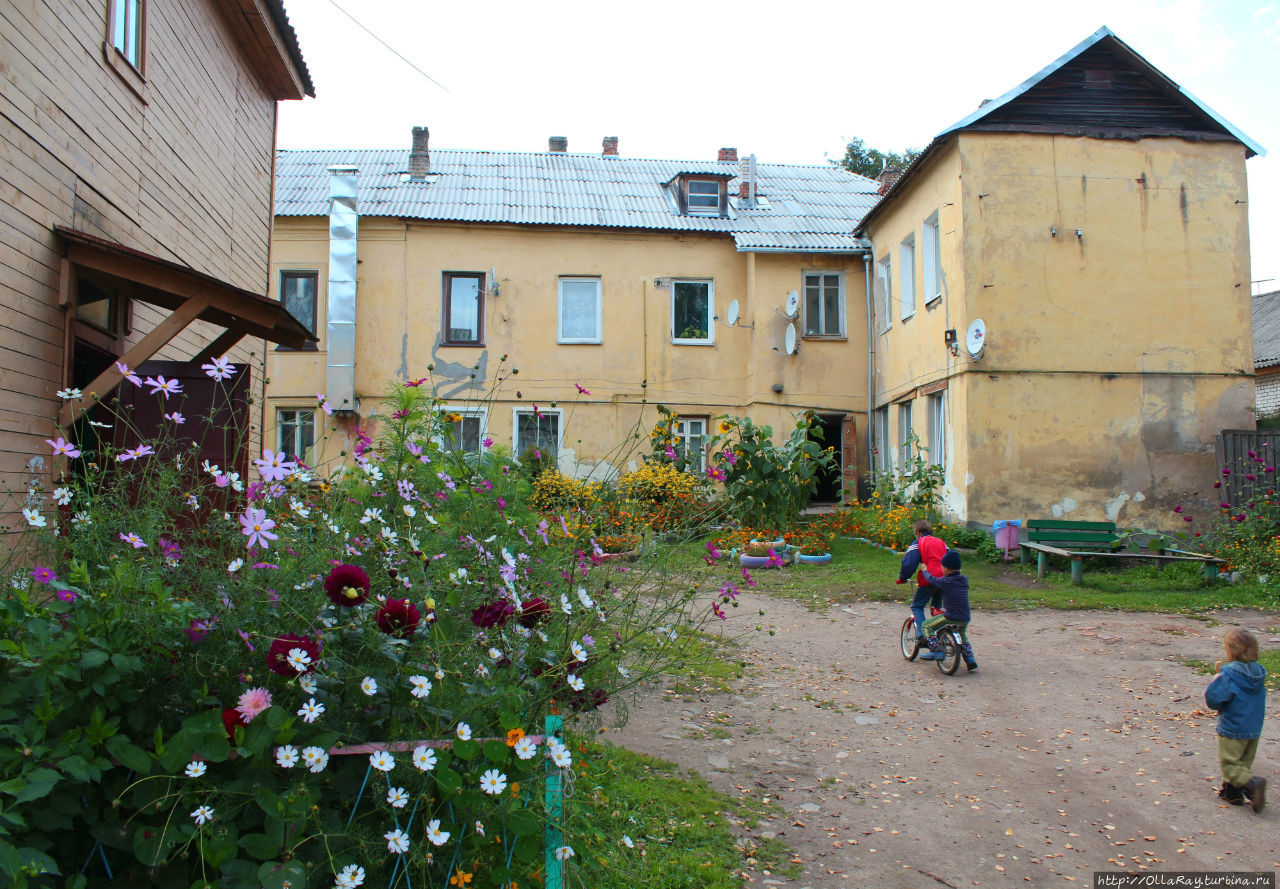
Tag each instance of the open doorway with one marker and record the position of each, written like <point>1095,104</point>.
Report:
<point>827,432</point>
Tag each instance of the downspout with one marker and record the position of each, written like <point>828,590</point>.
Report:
<point>871,363</point>
<point>340,333</point>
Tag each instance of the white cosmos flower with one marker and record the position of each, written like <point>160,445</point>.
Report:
<point>397,841</point>
<point>352,876</point>
<point>298,659</point>
<point>389,533</point>
<point>526,749</point>
<point>421,686</point>
<point>579,652</point>
<point>369,686</point>
<point>69,394</point>
<point>437,836</point>
<point>564,604</point>
<point>82,518</point>
<point>235,565</point>
<point>311,711</point>
<point>562,757</point>
<point>584,598</point>
<point>307,682</point>
<point>33,517</point>
<point>396,797</point>
<point>287,756</point>
<point>439,674</point>
<point>196,768</point>
<point>424,758</point>
<point>480,828</point>
<point>575,683</point>
<point>382,761</point>
<point>564,853</point>
<point>495,654</point>
<point>482,671</point>
<point>624,672</point>
<point>316,758</point>
<point>464,732</point>
<point>62,496</point>
<point>371,515</point>
<point>298,508</point>
<point>202,814</point>
<point>493,782</point>
<point>408,510</point>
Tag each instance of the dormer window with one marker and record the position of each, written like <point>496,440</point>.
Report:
<point>704,197</point>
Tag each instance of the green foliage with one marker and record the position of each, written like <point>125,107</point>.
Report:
<point>871,162</point>
<point>917,483</point>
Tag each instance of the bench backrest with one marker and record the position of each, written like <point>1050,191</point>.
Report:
<point>1072,535</point>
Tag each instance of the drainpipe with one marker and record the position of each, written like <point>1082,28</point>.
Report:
<point>871,363</point>
<point>340,333</point>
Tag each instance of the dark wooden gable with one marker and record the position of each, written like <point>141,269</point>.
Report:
<point>1102,92</point>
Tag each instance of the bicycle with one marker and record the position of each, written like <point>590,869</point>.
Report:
<point>948,636</point>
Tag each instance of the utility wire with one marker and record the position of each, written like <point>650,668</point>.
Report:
<point>388,46</point>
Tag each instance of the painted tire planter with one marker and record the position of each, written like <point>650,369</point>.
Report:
<point>774,544</point>
<point>813,560</point>
<point>747,561</point>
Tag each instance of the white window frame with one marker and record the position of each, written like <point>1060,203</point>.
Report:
<point>804,302</point>
<point>711,313</point>
<point>516,412</point>
<point>579,279</point>
<point>703,209</point>
<point>880,434</point>
<point>904,431</point>
<point>465,411</point>
<point>907,275</point>
<point>296,425</point>
<point>126,32</point>
<point>937,428</point>
<point>931,255</point>
<point>884,281</point>
<point>682,433</point>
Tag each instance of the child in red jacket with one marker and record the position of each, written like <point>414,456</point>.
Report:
<point>927,551</point>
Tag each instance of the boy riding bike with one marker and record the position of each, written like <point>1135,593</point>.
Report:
<point>927,551</point>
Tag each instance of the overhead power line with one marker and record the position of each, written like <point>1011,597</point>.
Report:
<point>388,46</point>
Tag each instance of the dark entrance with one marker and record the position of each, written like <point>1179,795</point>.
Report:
<point>827,486</point>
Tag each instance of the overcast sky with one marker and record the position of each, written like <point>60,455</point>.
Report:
<point>790,82</point>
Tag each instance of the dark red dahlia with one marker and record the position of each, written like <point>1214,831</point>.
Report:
<point>347,585</point>
<point>493,614</point>
<point>533,611</point>
<point>398,617</point>
<point>231,717</point>
<point>278,655</point>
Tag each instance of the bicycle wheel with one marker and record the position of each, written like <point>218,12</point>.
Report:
<point>909,647</point>
<point>950,652</point>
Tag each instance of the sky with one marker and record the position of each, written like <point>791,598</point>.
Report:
<point>791,83</point>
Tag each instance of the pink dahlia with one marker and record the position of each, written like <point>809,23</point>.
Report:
<point>253,702</point>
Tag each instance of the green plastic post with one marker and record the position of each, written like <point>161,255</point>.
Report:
<point>1042,564</point>
<point>555,812</point>
<point>1077,572</point>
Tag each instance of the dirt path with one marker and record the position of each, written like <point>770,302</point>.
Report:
<point>1081,744</point>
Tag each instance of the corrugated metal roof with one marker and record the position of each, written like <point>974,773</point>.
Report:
<point>810,208</point>
<point>1266,329</point>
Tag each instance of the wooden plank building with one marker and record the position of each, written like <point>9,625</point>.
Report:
<point>137,151</point>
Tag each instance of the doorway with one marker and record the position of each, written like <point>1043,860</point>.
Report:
<point>827,432</point>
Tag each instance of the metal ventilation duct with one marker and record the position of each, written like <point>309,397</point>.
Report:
<point>340,339</point>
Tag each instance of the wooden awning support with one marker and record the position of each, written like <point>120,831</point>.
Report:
<point>191,296</point>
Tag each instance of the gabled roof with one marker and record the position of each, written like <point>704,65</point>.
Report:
<point>1142,101</point>
<point>803,208</point>
<point>1266,329</point>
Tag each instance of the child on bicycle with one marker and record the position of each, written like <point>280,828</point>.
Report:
<point>927,551</point>
<point>1239,693</point>
<point>955,604</point>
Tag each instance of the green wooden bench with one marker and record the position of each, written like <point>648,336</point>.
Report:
<point>1080,540</point>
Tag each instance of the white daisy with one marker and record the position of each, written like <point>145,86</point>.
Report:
<point>196,768</point>
<point>298,659</point>
<point>371,515</point>
<point>33,517</point>
<point>526,749</point>
<point>424,758</point>
<point>382,761</point>
<point>579,652</point>
<point>352,876</point>
<point>493,782</point>
<point>396,797</point>
<point>235,565</point>
<point>409,510</point>
<point>369,686</point>
<point>62,496</point>
<point>564,853</point>
<point>437,836</point>
<point>311,711</point>
<point>562,757</point>
<point>307,682</point>
<point>287,756</point>
<point>464,732</point>
<point>575,683</point>
<point>202,814</point>
<point>439,674</point>
<point>495,654</point>
<point>316,758</point>
<point>397,841</point>
<point>421,686</point>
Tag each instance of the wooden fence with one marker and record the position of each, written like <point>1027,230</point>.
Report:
<point>1246,464</point>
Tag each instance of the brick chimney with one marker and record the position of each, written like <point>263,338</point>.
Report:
<point>888,179</point>
<point>558,144</point>
<point>728,156</point>
<point>419,158</point>
<point>610,146</point>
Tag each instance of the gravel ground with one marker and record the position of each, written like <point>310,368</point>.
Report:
<point>1081,744</point>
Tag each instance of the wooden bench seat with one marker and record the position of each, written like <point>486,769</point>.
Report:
<point>1080,540</point>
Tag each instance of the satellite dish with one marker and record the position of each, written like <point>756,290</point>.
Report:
<point>733,313</point>
<point>793,304</point>
<point>791,339</point>
<point>976,338</point>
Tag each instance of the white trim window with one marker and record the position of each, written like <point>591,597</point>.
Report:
<point>882,459</point>
<point>536,429</point>
<point>581,311</point>
<point>691,438</point>
<point>884,288</point>
<point>692,308</point>
<point>704,197</point>
<point>931,254</point>
<point>824,304</point>
<point>466,433</point>
<point>296,433</point>
<point>127,22</point>
<point>904,433</point>
<point>937,429</point>
<point>907,274</point>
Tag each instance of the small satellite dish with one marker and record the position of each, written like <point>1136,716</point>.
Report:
<point>733,313</point>
<point>976,338</point>
<point>791,339</point>
<point>792,307</point>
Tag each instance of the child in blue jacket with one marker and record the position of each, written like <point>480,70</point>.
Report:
<point>1239,694</point>
<point>955,608</point>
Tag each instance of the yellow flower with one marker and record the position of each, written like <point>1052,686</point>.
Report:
<point>461,878</point>
<point>725,426</point>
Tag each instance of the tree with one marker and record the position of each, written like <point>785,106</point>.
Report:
<point>870,162</point>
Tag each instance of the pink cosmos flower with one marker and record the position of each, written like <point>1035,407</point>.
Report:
<point>731,457</point>
<point>161,386</point>
<point>775,560</point>
<point>488,442</point>
<point>135,454</point>
<point>66,595</point>
<point>712,551</point>
<point>133,540</point>
<point>716,475</point>
<point>62,446</point>
<point>176,417</point>
<point>128,374</point>
<point>324,404</point>
<point>582,391</point>
<point>273,466</point>
<point>44,575</point>
<point>542,531</point>
<point>220,369</point>
<point>253,702</point>
<point>255,525</point>
<point>670,454</point>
